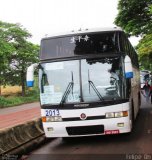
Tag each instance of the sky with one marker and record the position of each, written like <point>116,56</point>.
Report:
<point>47,17</point>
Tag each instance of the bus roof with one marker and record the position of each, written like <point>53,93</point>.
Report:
<point>80,31</point>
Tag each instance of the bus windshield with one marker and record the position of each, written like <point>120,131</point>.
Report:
<point>84,80</point>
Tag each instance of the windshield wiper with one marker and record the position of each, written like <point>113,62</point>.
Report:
<point>68,89</point>
<point>94,88</point>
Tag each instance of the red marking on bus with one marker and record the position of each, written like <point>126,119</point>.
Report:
<point>112,132</point>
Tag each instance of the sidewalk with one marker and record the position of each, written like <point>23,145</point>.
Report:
<point>12,116</point>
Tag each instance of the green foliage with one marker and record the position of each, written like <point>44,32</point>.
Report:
<point>16,54</point>
<point>145,51</point>
<point>5,50</point>
<point>18,100</point>
<point>14,100</point>
<point>24,56</point>
<point>135,16</point>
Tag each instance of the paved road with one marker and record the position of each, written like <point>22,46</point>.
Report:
<point>12,116</point>
<point>134,146</point>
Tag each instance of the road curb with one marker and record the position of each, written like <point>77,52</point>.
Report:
<point>20,138</point>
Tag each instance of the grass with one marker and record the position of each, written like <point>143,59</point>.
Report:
<point>11,96</point>
<point>9,90</point>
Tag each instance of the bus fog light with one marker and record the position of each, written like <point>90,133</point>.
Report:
<point>120,124</point>
<point>50,129</point>
<point>110,115</point>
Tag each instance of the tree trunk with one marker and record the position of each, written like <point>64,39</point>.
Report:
<point>23,89</point>
<point>0,88</point>
<point>23,82</point>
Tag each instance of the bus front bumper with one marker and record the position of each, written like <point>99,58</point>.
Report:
<point>87,127</point>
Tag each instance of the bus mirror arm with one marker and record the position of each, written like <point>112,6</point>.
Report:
<point>128,68</point>
<point>30,75</point>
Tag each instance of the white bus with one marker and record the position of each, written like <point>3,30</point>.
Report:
<point>89,83</point>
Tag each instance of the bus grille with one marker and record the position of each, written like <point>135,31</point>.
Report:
<point>84,130</point>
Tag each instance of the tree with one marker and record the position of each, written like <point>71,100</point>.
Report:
<point>6,49</point>
<point>25,55</point>
<point>145,51</point>
<point>19,54</point>
<point>135,18</point>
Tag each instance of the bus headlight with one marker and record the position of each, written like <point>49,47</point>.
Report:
<point>110,115</point>
<point>117,114</point>
<point>52,119</point>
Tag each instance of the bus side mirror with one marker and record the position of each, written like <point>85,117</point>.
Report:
<point>30,75</point>
<point>128,68</point>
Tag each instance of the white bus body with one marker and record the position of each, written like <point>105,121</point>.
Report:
<point>78,95</point>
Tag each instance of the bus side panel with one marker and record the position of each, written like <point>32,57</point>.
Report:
<point>135,85</point>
